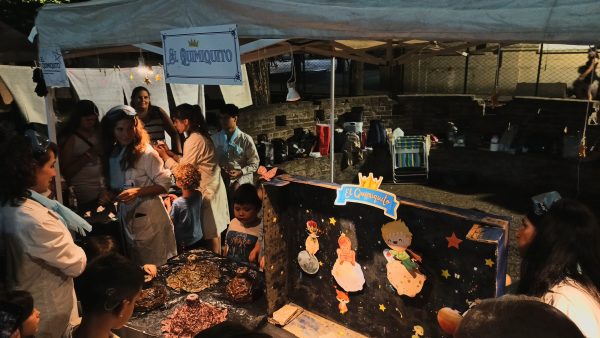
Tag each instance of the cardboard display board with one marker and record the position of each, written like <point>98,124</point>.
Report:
<point>450,258</point>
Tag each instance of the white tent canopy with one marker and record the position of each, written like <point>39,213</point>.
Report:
<point>103,23</point>
<point>108,23</point>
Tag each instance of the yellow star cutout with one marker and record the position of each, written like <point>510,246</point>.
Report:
<point>332,220</point>
<point>320,263</point>
<point>489,262</point>
<point>445,274</point>
<point>382,307</point>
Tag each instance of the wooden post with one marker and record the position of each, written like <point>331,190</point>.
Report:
<point>258,75</point>
<point>385,72</point>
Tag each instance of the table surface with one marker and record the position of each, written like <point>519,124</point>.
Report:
<point>251,315</point>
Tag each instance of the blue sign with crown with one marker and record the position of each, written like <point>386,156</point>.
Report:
<point>202,55</point>
<point>368,192</point>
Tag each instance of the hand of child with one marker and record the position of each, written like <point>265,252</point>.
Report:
<point>261,264</point>
<point>150,269</point>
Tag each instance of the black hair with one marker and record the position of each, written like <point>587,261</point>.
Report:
<point>41,158</point>
<point>516,317</point>
<point>137,90</point>
<point>96,246</point>
<point>566,244</point>
<point>19,162</point>
<point>20,304</point>
<point>230,330</point>
<point>18,173</point>
<point>230,109</point>
<point>82,109</point>
<point>246,194</point>
<point>106,282</point>
<point>193,113</point>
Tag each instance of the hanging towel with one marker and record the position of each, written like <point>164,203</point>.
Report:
<point>73,221</point>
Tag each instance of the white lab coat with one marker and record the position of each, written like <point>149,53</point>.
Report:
<point>147,228</point>
<point>572,299</point>
<point>41,258</point>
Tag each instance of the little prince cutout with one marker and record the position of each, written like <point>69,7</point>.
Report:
<point>402,269</point>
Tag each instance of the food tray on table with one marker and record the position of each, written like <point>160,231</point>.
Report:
<point>251,314</point>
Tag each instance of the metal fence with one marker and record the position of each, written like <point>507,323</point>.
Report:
<point>517,70</point>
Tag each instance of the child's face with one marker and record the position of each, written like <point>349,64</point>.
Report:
<point>245,213</point>
<point>398,240</point>
<point>127,310</point>
<point>32,324</point>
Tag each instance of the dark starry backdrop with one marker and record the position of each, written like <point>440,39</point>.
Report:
<point>468,277</point>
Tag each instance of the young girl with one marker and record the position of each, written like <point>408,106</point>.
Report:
<point>25,317</point>
<point>136,177</point>
<point>186,211</point>
<point>110,286</point>
<point>560,245</point>
<point>242,239</point>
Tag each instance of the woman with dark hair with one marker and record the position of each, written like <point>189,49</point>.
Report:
<point>199,150</point>
<point>110,286</point>
<point>135,177</point>
<point>560,244</point>
<point>37,251</point>
<point>26,316</point>
<point>79,152</point>
<point>155,119</point>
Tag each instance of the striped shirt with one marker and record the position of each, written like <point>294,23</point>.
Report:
<point>154,124</point>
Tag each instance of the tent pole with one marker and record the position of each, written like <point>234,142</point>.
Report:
<point>51,119</point>
<point>332,118</point>
<point>539,68</point>
<point>201,100</point>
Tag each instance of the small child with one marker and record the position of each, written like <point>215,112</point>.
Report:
<point>186,211</point>
<point>110,286</point>
<point>242,239</point>
<point>18,316</point>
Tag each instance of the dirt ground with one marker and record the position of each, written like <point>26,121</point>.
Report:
<point>493,202</point>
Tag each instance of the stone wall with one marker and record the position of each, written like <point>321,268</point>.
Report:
<point>319,168</point>
<point>261,120</point>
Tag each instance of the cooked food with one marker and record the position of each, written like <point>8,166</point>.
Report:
<point>152,298</point>
<point>191,318</point>
<point>194,277</point>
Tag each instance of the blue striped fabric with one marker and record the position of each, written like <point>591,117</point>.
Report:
<point>408,160</point>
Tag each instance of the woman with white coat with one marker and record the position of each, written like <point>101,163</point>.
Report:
<point>37,251</point>
<point>136,177</point>
<point>200,150</point>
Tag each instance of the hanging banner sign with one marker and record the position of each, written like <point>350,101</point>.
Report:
<point>53,67</point>
<point>368,192</point>
<point>202,55</point>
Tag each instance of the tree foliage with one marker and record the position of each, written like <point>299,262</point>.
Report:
<point>20,14</point>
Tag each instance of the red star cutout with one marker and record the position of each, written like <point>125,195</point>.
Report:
<point>453,241</point>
